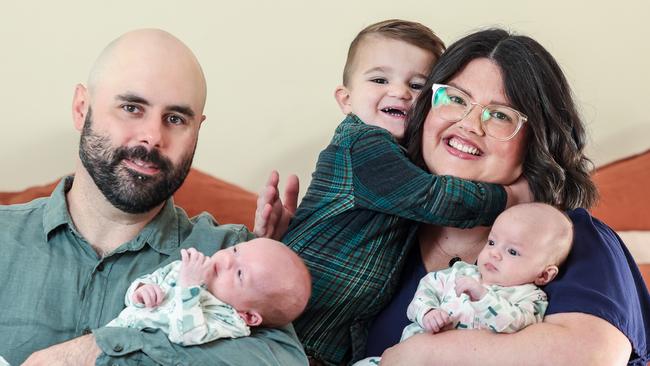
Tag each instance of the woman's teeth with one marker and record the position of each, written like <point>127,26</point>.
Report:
<point>456,144</point>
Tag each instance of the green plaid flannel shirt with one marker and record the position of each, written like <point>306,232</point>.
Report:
<point>355,225</point>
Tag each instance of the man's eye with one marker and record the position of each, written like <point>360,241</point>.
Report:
<point>175,120</point>
<point>130,108</point>
<point>379,81</point>
<point>513,252</point>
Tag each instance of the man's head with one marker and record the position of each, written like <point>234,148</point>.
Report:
<point>387,65</point>
<point>527,244</point>
<point>139,118</point>
<point>263,279</point>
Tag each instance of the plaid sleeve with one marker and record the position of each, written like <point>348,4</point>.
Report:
<point>385,180</point>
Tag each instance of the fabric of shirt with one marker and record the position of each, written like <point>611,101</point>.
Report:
<point>501,309</point>
<point>356,223</point>
<point>56,288</point>
<point>599,278</point>
<point>188,315</point>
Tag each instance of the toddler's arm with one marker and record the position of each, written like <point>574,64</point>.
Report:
<point>385,180</point>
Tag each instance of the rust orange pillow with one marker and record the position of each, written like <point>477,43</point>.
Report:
<point>624,188</point>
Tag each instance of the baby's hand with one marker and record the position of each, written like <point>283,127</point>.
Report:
<point>148,294</point>
<point>435,320</point>
<point>471,287</point>
<point>193,267</point>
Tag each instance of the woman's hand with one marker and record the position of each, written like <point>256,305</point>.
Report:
<point>272,216</point>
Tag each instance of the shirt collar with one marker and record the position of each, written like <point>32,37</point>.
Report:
<point>162,233</point>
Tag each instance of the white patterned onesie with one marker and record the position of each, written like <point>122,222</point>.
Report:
<point>188,316</point>
<point>501,310</point>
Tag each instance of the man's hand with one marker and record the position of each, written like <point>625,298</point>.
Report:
<point>471,287</point>
<point>150,295</point>
<point>272,216</point>
<point>82,351</point>
<point>519,192</point>
<point>194,266</point>
<point>435,320</point>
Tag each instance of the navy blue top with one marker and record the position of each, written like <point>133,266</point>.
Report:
<point>599,278</point>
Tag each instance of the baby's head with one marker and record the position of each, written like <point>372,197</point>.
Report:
<point>387,65</point>
<point>263,279</point>
<point>527,244</point>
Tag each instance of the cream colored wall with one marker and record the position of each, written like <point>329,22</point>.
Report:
<point>272,67</point>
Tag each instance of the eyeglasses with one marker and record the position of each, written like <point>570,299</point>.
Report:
<point>498,121</point>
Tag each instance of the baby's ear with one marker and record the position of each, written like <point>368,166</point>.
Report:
<point>547,275</point>
<point>342,96</point>
<point>251,318</point>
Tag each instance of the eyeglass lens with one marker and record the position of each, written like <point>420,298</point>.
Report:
<point>453,105</point>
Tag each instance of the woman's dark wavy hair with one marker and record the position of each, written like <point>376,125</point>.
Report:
<point>555,166</point>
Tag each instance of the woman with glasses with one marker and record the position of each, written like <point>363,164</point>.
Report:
<point>496,107</point>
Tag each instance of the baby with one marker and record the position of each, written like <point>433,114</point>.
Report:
<point>525,247</point>
<point>199,299</point>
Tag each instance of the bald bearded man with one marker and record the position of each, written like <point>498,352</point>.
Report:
<point>67,260</point>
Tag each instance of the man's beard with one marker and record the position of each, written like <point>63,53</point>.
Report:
<point>124,188</point>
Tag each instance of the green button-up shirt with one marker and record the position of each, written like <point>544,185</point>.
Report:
<point>54,288</point>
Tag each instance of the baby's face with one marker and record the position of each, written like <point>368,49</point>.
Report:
<point>515,254</point>
<point>238,273</point>
<point>386,77</point>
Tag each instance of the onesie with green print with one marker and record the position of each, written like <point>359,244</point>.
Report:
<point>188,315</point>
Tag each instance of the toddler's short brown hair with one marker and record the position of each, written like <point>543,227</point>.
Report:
<point>412,33</point>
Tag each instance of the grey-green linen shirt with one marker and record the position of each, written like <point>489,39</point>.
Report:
<point>54,287</point>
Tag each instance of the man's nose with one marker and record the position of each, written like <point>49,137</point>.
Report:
<point>151,132</point>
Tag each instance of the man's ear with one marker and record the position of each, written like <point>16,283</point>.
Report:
<point>251,318</point>
<point>547,275</point>
<point>80,106</point>
<point>342,96</point>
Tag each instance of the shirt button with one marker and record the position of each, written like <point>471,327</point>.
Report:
<point>86,331</point>
<point>118,348</point>
<point>100,267</point>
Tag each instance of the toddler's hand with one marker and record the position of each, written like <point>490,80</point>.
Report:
<point>471,287</point>
<point>272,216</point>
<point>519,192</point>
<point>148,294</point>
<point>193,267</point>
<point>435,320</point>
